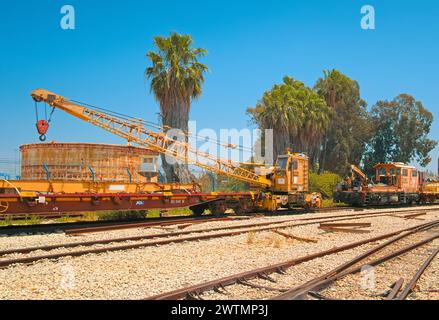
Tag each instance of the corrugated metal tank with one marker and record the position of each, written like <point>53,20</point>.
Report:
<point>88,161</point>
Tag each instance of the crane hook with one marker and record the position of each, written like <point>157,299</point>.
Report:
<point>42,127</point>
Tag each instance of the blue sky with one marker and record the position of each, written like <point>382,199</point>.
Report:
<point>251,44</point>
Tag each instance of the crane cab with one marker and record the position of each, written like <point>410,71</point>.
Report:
<point>398,175</point>
<point>290,174</point>
<point>290,182</point>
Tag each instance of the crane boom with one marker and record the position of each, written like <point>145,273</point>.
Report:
<point>134,131</point>
<point>358,171</point>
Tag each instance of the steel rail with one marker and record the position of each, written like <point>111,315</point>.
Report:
<point>343,270</point>
<point>55,227</point>
<point>192,220</point>
<point>280,267</point>
<point>182,233</point>
<point>417,275</point>
<point>395,289</point>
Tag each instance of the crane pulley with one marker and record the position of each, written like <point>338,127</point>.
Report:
<point>43,124</point>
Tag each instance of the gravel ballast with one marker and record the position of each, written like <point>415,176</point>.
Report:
<point>140,273</point>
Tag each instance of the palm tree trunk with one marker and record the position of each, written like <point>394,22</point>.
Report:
<point>175,120</point>
<point>322,159</point>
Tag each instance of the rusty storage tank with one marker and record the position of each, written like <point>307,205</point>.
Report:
<point>88,162</point>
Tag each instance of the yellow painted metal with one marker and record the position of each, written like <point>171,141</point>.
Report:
<point>431,188</point>
<point>270,203</point>
<point>28,194</point>
<point>27,188</point>
<point>9,199</point>
<point>291,173</point>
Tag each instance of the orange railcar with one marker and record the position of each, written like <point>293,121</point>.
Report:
<point>394,183</point>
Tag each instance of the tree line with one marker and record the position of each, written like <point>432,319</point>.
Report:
<point>331,124</point>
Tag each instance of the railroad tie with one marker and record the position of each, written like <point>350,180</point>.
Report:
<point>257,286</point>
<point>290,236</point>
<point>347,230</point>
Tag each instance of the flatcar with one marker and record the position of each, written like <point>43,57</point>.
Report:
<point>394,183</point>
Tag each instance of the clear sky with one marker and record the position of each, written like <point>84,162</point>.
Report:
<point>252,45</point>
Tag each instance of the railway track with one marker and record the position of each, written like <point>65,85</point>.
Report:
<point>96,226</point>
<point>394,248</point>
<point>398,243</point>
<point>28,255</point>
<point>76,228</point>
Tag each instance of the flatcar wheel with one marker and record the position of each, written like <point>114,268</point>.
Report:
<point>198,211</point>
<point>218,208</point>
<point>4,206</point>
<point>242,208</point>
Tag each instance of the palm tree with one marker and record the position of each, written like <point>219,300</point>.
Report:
<point>343,142</point>
<point>297,115</point>
<point>176,78</point>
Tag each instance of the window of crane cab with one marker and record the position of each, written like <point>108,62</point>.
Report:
<point>405,172</point>
<point>382,171</point>
<point>392,171</point>
<point>414,173</point>
<point>281,163</point>
<point>281,166</point>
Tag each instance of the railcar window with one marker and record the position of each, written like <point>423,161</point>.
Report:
<point>415,173</point>
<point>281,166</point>
<point>405,172</point>
<point>398,172</point>
<point>282,163</point>
<point>383,171</point>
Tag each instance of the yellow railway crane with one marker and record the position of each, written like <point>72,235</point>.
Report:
<point>285,185</point>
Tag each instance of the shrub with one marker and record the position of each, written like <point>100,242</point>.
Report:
<point>324,183</point>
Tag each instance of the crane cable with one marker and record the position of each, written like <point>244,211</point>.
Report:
<point>140,121</point>
<point>48,119</point>
<point>43,124</point>
<point>157,126</point>
<point>36,110</point>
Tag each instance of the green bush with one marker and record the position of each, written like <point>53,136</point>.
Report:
<point>122,215</point>
<point>324,183</point>
<point>154,213</point>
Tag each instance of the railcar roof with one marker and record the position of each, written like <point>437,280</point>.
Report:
<point>395,165</point>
